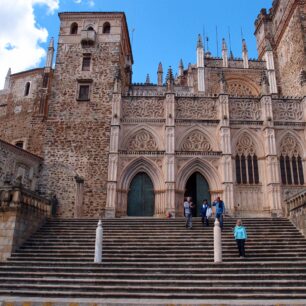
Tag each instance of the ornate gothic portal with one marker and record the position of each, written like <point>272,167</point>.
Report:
<point>197,188</point>
<point>141,196</point>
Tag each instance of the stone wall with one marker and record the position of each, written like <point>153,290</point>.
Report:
<point>21,214</point>
<point>17,163</point>
<point>291,55</point>
<point>17,111</point>
<point>296,210</point>
<point>76,145</point>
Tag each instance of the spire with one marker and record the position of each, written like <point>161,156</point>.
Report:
<point>160,74</point>
<point>224,53</point>
<point>200,42</point>
<point>50,54</point>
<point>245,56</point>
<point>181,68</point>
<point>148,79</point>
<point>169,79</point>
<point>7,79</point>
<point>160,67</point>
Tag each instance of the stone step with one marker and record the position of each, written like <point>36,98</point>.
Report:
<point>139,291</point>
<point>59,282</point>
<point>266,275</point>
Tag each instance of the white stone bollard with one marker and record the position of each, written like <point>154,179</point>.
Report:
<point>217,242</point>
<point>98,245</point>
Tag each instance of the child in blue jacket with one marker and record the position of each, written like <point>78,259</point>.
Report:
<point>240,235</point>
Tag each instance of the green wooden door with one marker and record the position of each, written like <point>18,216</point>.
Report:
<point>197,188</point>
<point>141,196</point>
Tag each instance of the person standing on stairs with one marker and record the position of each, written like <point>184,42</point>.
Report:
<point>220,210</point>
<point>204,209</point>
<point>188,206</point>
<point>240,235</point>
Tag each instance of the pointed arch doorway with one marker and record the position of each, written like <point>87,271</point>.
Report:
<point>197,188</point>
<point>141,196</point>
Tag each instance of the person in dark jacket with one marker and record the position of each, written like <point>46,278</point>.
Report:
<point>220,210</point>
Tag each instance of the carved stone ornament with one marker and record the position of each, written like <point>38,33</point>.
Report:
<point>196,141</point>
<point>142,141</point>
<point>239,89</point>
<point>143,108</point>
<point>245,145</point>
<point>287,110</point>
<point>195,108</point>
<point>249,109</point>
<point>289,146</point>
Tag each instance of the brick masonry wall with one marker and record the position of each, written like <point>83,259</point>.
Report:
<point>291,58</point>
<point>78,132</point>
<point>17,111</point>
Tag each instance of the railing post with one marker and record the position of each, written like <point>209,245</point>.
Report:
<point>98,245</point>
<point>217,242</point>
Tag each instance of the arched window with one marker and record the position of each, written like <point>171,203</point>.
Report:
<point>27,89</point>
<point>246,162</point>
<point>290,161</point>
<point>90,28</point>
<point>74,28</point>
<point>106,28</point>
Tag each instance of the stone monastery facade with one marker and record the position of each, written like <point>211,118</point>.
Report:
<point>229,127</point>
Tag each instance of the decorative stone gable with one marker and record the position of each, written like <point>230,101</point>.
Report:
<point>196,141</point>
<point>245,145</point>
<point>239,89</point>
<point>142,141</point>
<point>289,146</point>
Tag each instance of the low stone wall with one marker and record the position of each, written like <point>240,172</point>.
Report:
<point>22,213</point>
<point>296,210</point>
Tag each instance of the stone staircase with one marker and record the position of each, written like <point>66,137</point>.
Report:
<point>157,260</point>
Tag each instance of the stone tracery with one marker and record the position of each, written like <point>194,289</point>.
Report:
<point>196,141</point>
<point>142,141</point>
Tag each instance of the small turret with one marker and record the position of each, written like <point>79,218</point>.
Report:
<point>148,79</point>
<point>200,65</point>
<point>181,68</point>
<point>170,79</point>
<point>245,56</point>
<point>160,75</point>
<point>224,53</point>
<point>50,54</point>
<point>7,79</point>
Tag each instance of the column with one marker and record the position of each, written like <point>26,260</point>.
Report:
<point>170,153</point>
<point>272,202</point>
<point>226,158</point>
<point>110,209</point>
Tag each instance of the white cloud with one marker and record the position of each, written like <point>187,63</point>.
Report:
<point>20,36</point>
<point>77,1</point>
<point>91,3</point>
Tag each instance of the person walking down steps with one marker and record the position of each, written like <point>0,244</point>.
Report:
<point>241,236</point>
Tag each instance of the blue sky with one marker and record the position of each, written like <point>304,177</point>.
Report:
<point>161,30</point>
